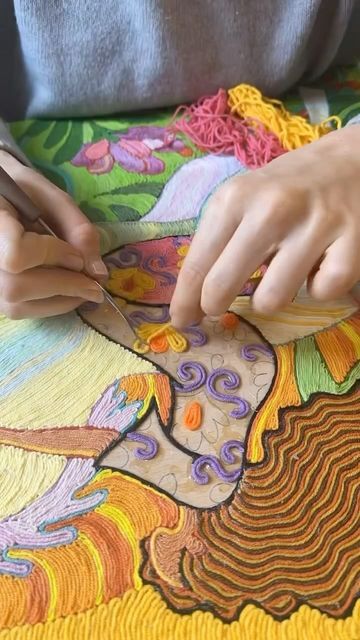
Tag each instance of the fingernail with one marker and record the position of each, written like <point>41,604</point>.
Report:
<point>98,267</point>
<point>75,262</point>
<point>94,295</point>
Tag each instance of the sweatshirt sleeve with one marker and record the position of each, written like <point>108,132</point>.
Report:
<point>8,143</point>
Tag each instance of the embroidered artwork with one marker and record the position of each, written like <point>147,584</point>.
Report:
<point>205,489</point>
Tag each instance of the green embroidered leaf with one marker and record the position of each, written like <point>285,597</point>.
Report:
<point>152,188</point>
<point>52,175</point>
<point>57,134</point>
<point>122,204</point>
<point>37,127</point>
<point>125,213</point>
<point>345,114</point>
<point>93,213</point>
<point>71,146</point>
<point>87,134</point>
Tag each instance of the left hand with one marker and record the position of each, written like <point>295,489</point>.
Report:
<point>301,212</point>
<point>42,276</point>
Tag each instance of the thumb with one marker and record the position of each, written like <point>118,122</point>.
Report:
<point>66,219</point>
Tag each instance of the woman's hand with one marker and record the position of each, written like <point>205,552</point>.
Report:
<point>39,275</point>
<point>301,213</point>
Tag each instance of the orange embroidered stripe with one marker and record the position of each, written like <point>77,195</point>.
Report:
<point>145,507</point>
<point>97,561</point>
<point>351,328</point>
<point>24,600</point>
<point>163,397</point>
<point>53,584</point>
<point>114,553</point>
<point>126,528</point>
<point>283,394</point>
<point>76,590</point>
<point>85,442</point>
<point>148,386</point>
<point>338,351</point>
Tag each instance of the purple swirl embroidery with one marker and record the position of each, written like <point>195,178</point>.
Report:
<point>138,317</point>
<point>230,380</point>
<point>192,372</point>
<point>202,477</point>
<point>155,264</point>
<point>126,257</point>
<point>196,336</point>
<point>151,446</point>
<point>248,352</point>
<point>226,451</point>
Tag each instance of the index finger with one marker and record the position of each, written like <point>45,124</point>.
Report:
<point>216,228</point>
<point>65,218</point>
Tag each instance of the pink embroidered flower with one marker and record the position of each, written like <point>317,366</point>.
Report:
<point>134,151</point>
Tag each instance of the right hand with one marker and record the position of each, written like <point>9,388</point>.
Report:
<point>40,276</point>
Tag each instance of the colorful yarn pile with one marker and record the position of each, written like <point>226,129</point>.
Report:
<point>292,130</point>
<point>211,127</point>
<point>248,125</point>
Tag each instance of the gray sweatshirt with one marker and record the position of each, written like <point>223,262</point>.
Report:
<point>92,57</point>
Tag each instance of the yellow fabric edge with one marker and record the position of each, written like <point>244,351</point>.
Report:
<point>143,614</point>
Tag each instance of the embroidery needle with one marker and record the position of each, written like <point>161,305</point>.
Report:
<point>28,210</point>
